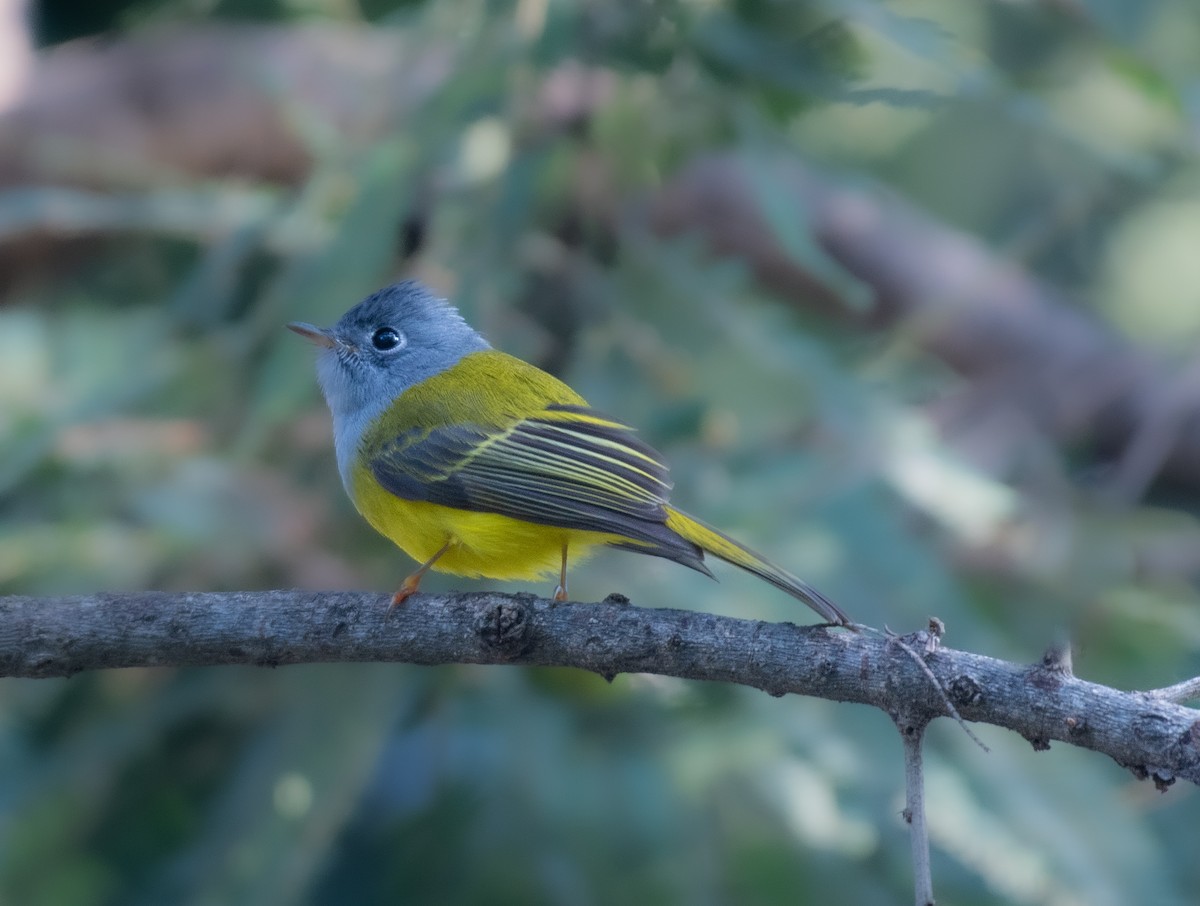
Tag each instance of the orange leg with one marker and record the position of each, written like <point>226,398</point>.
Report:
<point>560,593</point>
<point>413,582</point>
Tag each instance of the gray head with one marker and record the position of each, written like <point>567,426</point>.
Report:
<point>385,344</point>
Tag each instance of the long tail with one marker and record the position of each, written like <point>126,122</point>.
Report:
<point>724,547</point>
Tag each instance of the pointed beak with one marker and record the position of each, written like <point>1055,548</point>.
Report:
<point>321,336</point>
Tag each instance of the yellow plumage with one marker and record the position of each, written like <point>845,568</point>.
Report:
<point>482,544</point>
<point>490,389</point>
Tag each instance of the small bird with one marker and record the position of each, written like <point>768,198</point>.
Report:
<point>479,464</point>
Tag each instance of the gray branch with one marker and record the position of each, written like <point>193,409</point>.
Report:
<point>60,636</point>
<point>913,735</point>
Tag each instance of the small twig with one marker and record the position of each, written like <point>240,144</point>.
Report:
<point>1179,693</point>
<point>931,640</point>
<point>913,735</point>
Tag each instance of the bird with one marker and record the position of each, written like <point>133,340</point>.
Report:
<point>479,464</point>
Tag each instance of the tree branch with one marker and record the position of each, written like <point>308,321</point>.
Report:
<point>60,636</point>
<point>913,736</point>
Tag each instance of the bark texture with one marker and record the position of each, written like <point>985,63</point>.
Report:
<point>46,637</point>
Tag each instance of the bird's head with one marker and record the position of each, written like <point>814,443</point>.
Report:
<point>389,342</point>
<point>384,345</point>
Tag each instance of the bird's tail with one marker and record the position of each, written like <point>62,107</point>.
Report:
<point>724,547</point>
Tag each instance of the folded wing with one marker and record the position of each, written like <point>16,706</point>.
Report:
<point>566,466</point>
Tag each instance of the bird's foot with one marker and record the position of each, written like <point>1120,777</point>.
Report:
<point>407,590</point>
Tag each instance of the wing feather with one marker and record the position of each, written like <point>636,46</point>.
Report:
<point>566,466</point>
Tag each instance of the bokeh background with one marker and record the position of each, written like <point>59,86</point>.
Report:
<point>908,293</point>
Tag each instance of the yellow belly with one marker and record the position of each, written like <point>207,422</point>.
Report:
<point>482,544</point>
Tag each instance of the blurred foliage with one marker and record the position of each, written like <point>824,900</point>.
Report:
<point>159,429</point>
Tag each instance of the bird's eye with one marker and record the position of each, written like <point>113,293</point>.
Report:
<point>387,339</point>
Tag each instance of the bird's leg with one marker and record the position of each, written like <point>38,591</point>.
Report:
<point>413,582</point>
<point>560,593</point>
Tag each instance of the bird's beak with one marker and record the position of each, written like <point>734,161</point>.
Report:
<point>322,336</point>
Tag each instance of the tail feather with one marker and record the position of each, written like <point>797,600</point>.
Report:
<point>725,548</point>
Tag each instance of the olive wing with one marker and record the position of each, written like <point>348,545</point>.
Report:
<point>566,466</point>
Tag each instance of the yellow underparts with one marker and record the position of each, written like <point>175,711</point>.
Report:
<point>481,544</point>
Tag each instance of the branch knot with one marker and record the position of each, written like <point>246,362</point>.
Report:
<point>504,628</point>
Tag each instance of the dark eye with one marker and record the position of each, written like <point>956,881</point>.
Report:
<point>385,339</point>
